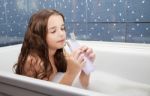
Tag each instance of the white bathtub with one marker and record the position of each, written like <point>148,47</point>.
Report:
<point>122,69</point>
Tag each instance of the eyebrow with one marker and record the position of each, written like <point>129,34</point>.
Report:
<point>55,26</point>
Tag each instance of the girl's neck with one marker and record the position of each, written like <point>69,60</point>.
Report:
<point>51,58</point>
<point>51,53</point>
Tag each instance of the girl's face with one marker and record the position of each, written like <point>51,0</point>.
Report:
<point>56,35</point>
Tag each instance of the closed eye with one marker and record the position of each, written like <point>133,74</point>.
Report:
<point>53,31</point>
<point>62,29</point>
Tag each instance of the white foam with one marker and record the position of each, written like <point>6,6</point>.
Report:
<point>132,92</point>
<point>117,86</point>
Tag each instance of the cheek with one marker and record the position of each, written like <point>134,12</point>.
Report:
<point>50,39</point>
<point>51,43</point>
<point>65,34</point>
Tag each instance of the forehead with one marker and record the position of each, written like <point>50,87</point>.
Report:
<point>55,20</point>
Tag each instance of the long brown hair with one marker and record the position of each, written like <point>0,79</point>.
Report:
<point>35,44</point>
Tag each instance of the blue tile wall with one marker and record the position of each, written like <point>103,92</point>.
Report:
<point>100,20</point>
<point>107,31</point>
<point>35,5</point>
<point>138,10</point>
<point>138,32</point>
<point>74,10</point>
<point>2,12</point>
<point>106,10</point>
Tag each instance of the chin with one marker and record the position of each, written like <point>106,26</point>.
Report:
<point>60,47</point>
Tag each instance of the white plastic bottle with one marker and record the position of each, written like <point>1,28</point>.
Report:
<point>73,44</point>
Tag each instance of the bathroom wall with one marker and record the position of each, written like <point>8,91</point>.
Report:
<point>102,20</point>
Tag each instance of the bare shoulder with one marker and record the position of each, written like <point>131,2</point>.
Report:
<point>31,61</point>
<point>32,66</point>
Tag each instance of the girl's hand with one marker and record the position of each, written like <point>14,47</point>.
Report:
<point>84,78</point>
<point>75,61</point>
<point>88,52</point>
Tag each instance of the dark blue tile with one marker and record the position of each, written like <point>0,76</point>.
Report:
<point>73,10</point>
<point>78,28</point>
<point>2,12</point>
<point>16,30</point>
<point>138,11</point>
<point>138,32</point>
<point>3,29</point>
<point>106,10</point>
<point>107,31</point>
<point>35,5</point>
<point>7,38</point>
<point>16,11</point>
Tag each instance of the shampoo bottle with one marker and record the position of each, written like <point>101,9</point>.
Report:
<point>73,44</point>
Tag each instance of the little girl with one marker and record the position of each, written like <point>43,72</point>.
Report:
<point>42,55</point>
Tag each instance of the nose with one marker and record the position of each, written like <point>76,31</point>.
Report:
<point>61,32</point>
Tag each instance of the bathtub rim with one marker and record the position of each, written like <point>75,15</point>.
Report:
<point>46,86</point>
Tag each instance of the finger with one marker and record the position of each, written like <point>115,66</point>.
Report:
<point>76,54</point>
<point>83,64</point>
<point>92,56</point>
<point>89,51</point>
<point>81,58</point>
<point>83,48</point>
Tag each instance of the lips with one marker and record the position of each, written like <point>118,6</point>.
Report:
<point>63,40</point>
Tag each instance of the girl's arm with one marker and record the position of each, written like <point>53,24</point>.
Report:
<point>68,79</point>
<point>71,73</point>
<point>84,79</point>
<point>75,62</point>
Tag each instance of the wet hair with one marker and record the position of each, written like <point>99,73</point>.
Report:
<point>35,45</point>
